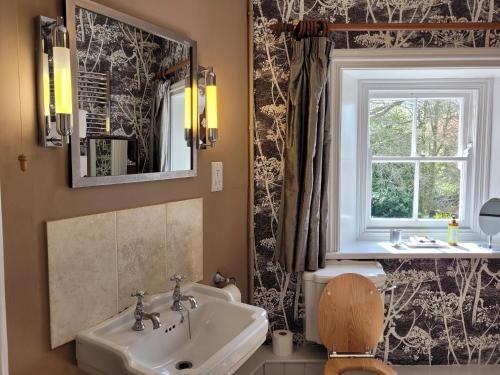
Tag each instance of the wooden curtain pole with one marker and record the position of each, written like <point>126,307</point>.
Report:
<point>164,74</point>
<point>333,27</point>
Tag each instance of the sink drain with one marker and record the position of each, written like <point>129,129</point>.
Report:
<point>183,365</point>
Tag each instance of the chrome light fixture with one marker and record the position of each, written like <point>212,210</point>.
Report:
<point>188,112</point>
<point>62,79</point>
<point>53,82</point>
<point>208,124</point>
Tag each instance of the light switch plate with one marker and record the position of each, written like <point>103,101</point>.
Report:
<point>217,176</point>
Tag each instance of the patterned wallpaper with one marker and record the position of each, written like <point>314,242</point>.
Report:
<point>132,57</point>
<point>443,311</point>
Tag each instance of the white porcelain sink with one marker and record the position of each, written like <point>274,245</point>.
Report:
<point>224,333</point>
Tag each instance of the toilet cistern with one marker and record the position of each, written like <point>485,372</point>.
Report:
<point>315,282</point>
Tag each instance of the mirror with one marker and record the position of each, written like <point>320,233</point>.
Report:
<point>132,90</point>
<point>489,219</point>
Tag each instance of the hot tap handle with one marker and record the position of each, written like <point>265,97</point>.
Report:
<point>177,278</point>
<point>140,295</point>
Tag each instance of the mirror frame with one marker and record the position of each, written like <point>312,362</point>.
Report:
<point>76,179</point>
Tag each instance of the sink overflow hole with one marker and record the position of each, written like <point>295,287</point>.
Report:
<point>183,365</point>
<point>171,328</point>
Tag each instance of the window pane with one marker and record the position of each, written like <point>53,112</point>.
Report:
<point>390,126</point>
<point>439,193</point>
<point>392,190</point>
<point>438,123</point>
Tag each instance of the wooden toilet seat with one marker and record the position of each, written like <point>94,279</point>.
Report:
<point>339,366</point>
<point>350,320</point>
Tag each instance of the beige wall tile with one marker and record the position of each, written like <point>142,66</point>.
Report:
<point>185,239</point>
<point>97,261</point>
<point>82,274</point>
<point>141,252</point>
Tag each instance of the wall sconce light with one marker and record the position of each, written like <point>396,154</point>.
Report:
<point>62,79</point>
<point>53,82</point>
<point>188,112</point>
<point>208,126</point>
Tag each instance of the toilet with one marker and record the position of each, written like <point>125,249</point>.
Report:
<point>345,313</point>
<point>314,283</point>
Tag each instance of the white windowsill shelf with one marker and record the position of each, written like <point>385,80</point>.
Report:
<point>376,250</point>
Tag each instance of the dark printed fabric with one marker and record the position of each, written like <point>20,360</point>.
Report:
<point>417,331</point>
<point>303,216</point>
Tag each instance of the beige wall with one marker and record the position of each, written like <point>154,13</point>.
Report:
<point>42,193</point>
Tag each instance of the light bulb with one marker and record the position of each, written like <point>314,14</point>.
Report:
<point>62,80</point>
<point>211,103</point>
<point>187,108</point>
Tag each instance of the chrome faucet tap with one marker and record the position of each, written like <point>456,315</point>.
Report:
<point>178,297</point>
<point>140,314</point>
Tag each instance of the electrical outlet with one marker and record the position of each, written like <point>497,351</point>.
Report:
<point>217,176</point>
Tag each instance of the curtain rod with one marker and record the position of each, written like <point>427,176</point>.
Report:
<point>333,27</point>
<point>164,74</point>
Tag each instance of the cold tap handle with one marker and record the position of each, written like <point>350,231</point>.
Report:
<point>177,278</point>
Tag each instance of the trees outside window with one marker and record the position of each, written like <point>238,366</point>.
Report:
<point>421,150</point>
<point>415,130</point>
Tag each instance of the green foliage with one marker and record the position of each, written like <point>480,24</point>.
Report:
<point>390,127</point>
<point>392,190</point>
<point>437,131</point>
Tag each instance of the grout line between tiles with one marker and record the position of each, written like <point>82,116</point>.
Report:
<point>116,261</point>
<point>167,276</point>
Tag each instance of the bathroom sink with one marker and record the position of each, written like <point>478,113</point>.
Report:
<point>219,336</point>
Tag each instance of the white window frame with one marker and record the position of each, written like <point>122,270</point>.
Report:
<point>411,58</point>
<point>473,94</point>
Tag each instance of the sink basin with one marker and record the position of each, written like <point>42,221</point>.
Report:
<point>219,336</point>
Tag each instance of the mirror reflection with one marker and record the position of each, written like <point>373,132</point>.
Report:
<point>132,103</point>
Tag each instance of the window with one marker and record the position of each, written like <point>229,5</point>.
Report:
<point>415,155</point>
<point>413,134</point>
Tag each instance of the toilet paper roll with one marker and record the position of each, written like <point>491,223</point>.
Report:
<point>234,291</point>
<point>282,342</point>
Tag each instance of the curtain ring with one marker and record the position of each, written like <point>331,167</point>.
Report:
<point>307,32</point>
<point>296,31</point>
<point>315,28</point>
<point>324,28</point>
<point>301,30</point>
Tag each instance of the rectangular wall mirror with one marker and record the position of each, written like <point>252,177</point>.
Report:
<point>132,98</point>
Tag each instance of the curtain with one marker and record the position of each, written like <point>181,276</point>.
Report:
<point>303,215</point>
<point>119,157</point>
<point>159,155</point>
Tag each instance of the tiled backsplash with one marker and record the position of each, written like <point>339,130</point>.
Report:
<point>97,261</point>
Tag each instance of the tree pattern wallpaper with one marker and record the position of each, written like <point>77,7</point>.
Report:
<point>443,311</point>
<point>132,57</point>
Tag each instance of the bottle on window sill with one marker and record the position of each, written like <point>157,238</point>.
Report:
<point>453,231</point>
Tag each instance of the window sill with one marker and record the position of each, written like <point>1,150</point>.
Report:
<point>382,250</point>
